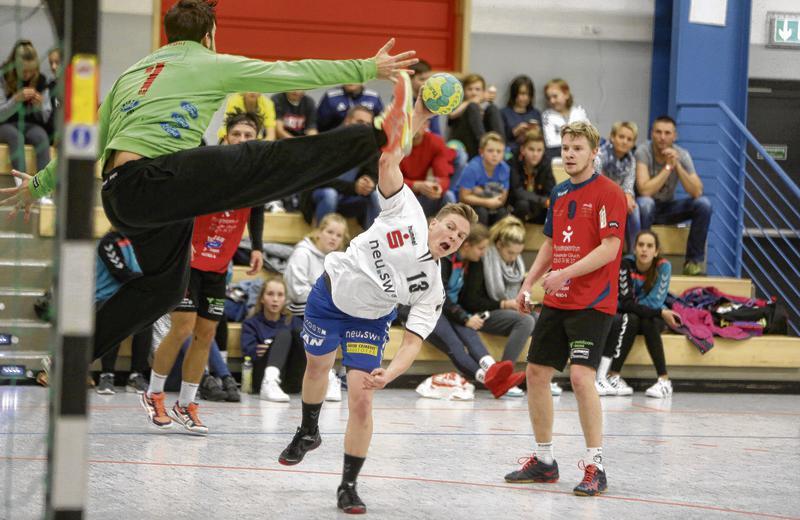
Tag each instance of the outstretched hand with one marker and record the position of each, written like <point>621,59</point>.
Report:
<point>389,65</point>
<point>18,197</point>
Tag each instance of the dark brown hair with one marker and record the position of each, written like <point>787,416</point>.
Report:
<point>23,52</point>
<point>652,272</point>
<point>190,20</point>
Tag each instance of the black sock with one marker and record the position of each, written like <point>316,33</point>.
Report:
<point>351,468</point>
<point>310,417</point>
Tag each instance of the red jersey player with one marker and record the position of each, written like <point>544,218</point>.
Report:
<point>581,255</point>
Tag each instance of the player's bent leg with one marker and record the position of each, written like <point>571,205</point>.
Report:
<point>186,410</point>
<point>315,384</point>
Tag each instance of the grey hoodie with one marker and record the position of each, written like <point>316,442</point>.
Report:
<point>306,264</point>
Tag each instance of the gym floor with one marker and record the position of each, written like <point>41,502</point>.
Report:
<point>692,456</point>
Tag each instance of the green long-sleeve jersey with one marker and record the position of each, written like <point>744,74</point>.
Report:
<point>164,103</point>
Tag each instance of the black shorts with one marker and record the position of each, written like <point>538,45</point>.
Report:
<point>577,335</point>
<point>205,295</point>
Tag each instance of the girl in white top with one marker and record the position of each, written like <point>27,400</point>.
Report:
<point>561,112</point>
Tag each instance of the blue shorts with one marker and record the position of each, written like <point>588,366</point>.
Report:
<point>325,328</point>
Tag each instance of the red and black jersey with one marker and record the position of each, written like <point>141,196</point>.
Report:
<point>216,238</point>
<point>579,218</point>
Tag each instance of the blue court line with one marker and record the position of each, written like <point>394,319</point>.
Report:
<point>432,434</point>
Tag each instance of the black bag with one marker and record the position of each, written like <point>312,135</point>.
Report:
<point>775,315</point>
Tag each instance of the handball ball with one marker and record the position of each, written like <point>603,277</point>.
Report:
<point>442,93</point>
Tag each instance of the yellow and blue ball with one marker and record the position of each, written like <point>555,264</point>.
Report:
<point>442,93</point>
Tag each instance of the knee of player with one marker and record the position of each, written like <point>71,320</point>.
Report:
<point>537,375</point>
<point>316,367</point>
<point>204,335</point>
<point>360,406</point>
<point>581,378</point>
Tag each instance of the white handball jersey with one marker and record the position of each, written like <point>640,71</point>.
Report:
<point>390,264</point>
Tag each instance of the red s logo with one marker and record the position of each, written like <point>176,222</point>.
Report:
<point>395,239</point>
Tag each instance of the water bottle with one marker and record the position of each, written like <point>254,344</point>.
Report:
<point>247,375</point>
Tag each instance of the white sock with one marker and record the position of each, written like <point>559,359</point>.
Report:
<point>486,362</point>
<point>272,374</point>
<point>156,383</point>
<point>544,452</point>
<point>594,456</point>
<point>188,393</point>
<point>602,370</point>
<point>480,375</point>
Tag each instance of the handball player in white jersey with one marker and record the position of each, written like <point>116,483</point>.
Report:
<point>352,305</point>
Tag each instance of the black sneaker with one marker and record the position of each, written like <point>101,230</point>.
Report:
<point>232,389</point>
<point>302,443</point>
<point>105,385</point>
<point>534,470</point>
<point>210,389</point>
<point>594,482</point>
<point>137,384</point>
<point>348,500</point>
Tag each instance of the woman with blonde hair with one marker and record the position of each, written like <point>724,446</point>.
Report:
<point>25,108</point>
<point>267,339</point>
<point>561,111</point>
<point>306,265</point>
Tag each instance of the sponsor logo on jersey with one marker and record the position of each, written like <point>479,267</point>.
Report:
<point>216,306</point>
<point>580,349</point>
<point>363,334</point>
<point>171,130</point>
<point>129,106</point>
<point>380,267</point>
<point>603,221</point>
<point>312,335</point>
<point>367,349</point>
<point>190,109</point>
<point>613,224</point>
<point>180,120</point>
<point>567,234</point>
<point>396,238</point>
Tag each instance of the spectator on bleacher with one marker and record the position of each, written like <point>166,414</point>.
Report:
<point>427,170</point>
<point>353,193</point>
<point>456,333</point>
<point>660,165</point>
<point>422,71</point>
<point>141,344</point>
<point>306,265</point>
<point>54,60</point>
<point>295,113</point>
<point>485,181</point>
<point>519,115</point>
<point>267,337</point>
<point>619,165</point>
<point>531,180</point>
<point>254,103</point>
<point>476,115</point>
<point>643,286</point>
<point>561,111</point>
<point>492,285</point>
<point>24,100</point>
<point>336,104</point>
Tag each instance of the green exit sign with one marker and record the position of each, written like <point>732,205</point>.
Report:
<point>784,30</point>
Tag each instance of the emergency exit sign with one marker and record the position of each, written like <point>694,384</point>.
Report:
<point>784,30</point>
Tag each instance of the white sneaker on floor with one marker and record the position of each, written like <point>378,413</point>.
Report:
<point>620,386</point>
<point>334,392</point>
<point>662,389</point>
<point>603,388</point>
<point>271,391</point>
<point>555,390</point>
<point>515,391</point>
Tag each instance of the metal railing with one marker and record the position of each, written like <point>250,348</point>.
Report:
<point>765,215</point>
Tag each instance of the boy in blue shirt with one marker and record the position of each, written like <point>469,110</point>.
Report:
<point>486,179</point>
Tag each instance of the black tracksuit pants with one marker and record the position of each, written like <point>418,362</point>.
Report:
<point>154,202</point>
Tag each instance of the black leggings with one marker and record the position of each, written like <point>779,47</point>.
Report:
<point>275,356</point>
<point>140,348</point>
<point>154,202</point>
<point>472,124</point>
<point>623,333</point>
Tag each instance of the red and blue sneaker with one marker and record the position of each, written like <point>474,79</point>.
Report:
<point>594,481</point>
<point>534,471</point>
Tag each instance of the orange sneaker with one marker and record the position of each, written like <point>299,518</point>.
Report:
<point>396,120</point>
<point>154,406</point>
<point>187,416</point>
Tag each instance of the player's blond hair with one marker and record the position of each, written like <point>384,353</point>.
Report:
<point>582,129</point>
<point>458,208</point>
<point>506,231</point>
